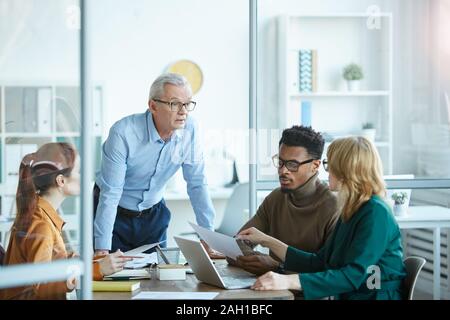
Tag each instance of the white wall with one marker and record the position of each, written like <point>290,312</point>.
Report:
<point>132,43</point>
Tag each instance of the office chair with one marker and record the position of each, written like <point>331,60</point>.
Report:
<point>2,255</point>
<point>236,210</point>
<point>413,267</point>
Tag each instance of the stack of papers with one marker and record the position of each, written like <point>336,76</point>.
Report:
<point>139,263</point>
<point>129,275</point>
<point>147,258</point>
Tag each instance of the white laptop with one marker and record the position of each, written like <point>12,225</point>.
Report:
<point>205,271</point>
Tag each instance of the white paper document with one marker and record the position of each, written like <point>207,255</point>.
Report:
<point>141,249</point>
<point>218,241</point>
<point>138,273</point>
<point>139,263</point>
<point>156,295</point>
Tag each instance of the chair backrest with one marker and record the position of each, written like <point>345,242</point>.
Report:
<point>413,266</point>
<point>2,255</point>
<point>236,210</point>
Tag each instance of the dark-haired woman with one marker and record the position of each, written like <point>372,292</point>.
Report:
<point>46,178</point>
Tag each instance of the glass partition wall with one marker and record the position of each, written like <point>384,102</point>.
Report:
<point>306,53</point>
<point>40,105</point>
<point>68,74</point>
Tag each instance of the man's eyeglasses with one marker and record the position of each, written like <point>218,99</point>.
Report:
<point>291,165</point>
<point>176,106</point>
<point>325,164</point>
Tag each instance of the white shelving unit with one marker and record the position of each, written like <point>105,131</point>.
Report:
<point>339,39</point>
<point>32,114</point>
<point>340,94</point>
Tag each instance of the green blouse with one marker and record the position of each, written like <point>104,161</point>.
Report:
<point>346,266</point>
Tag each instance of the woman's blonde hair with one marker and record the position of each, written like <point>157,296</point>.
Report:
<point>355,162</point>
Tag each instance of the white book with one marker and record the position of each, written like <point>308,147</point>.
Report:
<point>130,273</point>
<point>293,72</point>
<point>13,157</point>
<point>97,108</point>
<point>44,105</point>
<point>8,206</point>
<point>14,154</point>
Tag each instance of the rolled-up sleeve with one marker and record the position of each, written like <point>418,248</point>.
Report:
<point>111,181</point>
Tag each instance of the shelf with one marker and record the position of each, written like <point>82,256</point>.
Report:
<point>40,135</point>
<point>67,134</point>
<point>384,144</point>
<point>27,135</point>
<point>215,194</point>
<point>340,15</point>
<point>340,94</point>
<point>329,107</point>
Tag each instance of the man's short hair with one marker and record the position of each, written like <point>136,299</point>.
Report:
<point>306,137</point>
<point>157,88</point>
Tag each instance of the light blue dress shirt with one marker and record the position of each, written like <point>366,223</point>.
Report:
<point>136,165</point>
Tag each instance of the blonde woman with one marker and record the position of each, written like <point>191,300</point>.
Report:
<point>363,258</point>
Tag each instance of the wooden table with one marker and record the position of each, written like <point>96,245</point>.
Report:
<point>191,284</point>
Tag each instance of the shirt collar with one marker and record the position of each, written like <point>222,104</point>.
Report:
<point>51,213</point>
<point>178,134</point>
<point>153,134</point>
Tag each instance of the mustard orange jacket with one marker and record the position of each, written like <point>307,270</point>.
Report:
<point>41,242</point>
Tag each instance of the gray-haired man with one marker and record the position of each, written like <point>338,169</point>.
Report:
<point>142,152</point>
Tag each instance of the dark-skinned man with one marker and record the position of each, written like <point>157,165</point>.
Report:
<point>303,211</point>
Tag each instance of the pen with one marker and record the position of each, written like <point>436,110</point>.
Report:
<point>163,256</point>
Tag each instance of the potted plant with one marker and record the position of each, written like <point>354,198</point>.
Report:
<point>400,204</point>
<point>369,131</point>
<point>353,74</point>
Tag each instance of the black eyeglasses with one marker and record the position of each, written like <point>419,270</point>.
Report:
<point>176,106</point>
<point>291,165</point>
<point>325,164</point>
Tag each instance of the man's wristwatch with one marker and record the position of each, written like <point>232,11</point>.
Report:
<point>280,268</point>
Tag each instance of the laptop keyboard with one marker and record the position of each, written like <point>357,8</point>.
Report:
<point>238,282</point>
<point>237,279</point>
